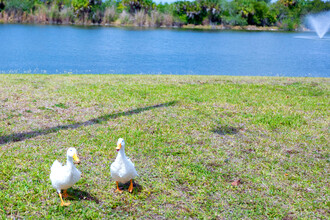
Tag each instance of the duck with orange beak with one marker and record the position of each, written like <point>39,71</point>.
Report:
<point>63,177</point>
<point>122,170</point>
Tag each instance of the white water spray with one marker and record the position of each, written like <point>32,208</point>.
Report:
<point>320,23</point>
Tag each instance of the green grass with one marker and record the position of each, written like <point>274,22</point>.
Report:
<point>190,137</point>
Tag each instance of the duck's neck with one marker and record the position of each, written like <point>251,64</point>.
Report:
<point>121,154</point>
<point>69,162</point>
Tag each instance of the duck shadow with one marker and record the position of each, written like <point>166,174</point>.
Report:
<point>226,130</point>
<point>137,188</point>
<point>77,194</point>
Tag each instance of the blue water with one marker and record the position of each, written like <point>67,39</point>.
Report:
<point>72,49</point>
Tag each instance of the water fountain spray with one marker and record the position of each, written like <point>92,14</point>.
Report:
<point>320,23</point>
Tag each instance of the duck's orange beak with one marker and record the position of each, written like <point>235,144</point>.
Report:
<point>75,157</point>
<point>118,147</point>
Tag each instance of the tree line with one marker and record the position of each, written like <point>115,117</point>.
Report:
<point>285,14</point>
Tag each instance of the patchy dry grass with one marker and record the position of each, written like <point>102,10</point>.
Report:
<point>190,137</point>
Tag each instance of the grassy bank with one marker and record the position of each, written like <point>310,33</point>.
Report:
<point>190,138</point>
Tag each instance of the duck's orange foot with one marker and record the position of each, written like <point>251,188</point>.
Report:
<point>65,194</point>
<point>130,188</point>
<point>62,202</point>
<point>119,191</point>
<point>65,203</point>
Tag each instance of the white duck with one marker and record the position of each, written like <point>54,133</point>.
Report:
<point>122,170</point>
<point>63,177</point>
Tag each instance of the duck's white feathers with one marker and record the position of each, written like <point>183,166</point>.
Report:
<point>63,177</point>
<point>122,169</point>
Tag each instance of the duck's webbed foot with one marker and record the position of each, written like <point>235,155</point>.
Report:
<point>62,202</point>
<point>118,190</point>
<point>130,188</point>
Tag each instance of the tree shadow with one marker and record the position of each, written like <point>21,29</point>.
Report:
<point>226,130</point>
<point>31,134</point>
<point>77,194</point>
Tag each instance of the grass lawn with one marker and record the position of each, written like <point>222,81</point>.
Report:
<point>190,138</point>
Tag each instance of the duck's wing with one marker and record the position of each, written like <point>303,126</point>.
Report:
<point>77,171</point>
<point>131,164</point>
<point>76,175</point>
<point>114,168</point>
<point>56,166</point>
<point>132,167</point>
<point>56,173</point>
<point>129,161</point>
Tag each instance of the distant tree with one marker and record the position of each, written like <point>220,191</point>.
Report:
<point>84,6</point>
<point>287,14</point>
<point>134,6</point>
<point>245,8</point>
<point>260,14</point>
<point>316,6</point>
<point>266,1</point>
<point>19,5</point>
<point>191,12</point>
<point>80,5</point>
<point>2,5</point>
<point>213,9</point>
<point>164,8</point>
<point>109,3</point>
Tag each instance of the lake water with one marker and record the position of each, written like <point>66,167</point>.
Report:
<point>101,50</point>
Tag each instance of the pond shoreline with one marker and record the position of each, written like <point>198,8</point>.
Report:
<point>250,79</point>
<point>187,26</point>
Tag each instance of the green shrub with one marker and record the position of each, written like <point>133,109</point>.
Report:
<point>80,5</point>
<point>54,14</point>
<point>110,15</point>
<point>124,18</point>
<point>288,24</point>
<point>67,15</point>
<point>19,5</point>
<point>234,20</point>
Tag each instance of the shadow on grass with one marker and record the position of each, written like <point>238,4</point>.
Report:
<point>136,187</point>
<point>226,130</point>
<point>31,134</point>
<point>76,194</point>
